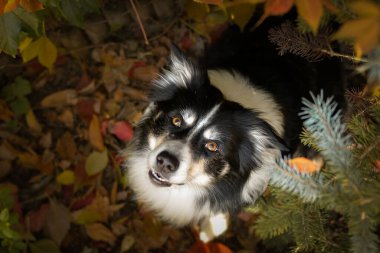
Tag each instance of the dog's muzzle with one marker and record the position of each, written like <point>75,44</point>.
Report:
<point>166,165</point>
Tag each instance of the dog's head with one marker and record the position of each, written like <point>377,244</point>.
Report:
<point>195,153</point>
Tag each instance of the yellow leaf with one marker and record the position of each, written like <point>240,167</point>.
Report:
<point>365,32</point>
<point>32,122</point>
<point>66,177</point>
<point>196,11</point>
<point>30,51</point>
<point>99,232</point>
<point>304,165</point>
<point>47,53</point>
<point>25,43</point>
<point>95,134</point>
<point>365,8</point>
<point>311,11</point>
<point>241,14</point>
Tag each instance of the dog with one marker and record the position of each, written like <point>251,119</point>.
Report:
<point>214,128</point>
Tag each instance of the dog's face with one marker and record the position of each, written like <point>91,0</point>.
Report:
<point>195,153</point>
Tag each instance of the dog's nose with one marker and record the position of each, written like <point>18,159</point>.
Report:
<point>167,162</point>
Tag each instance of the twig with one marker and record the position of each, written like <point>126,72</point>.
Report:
<point>139,22</point>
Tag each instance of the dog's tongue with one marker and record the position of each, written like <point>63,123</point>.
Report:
<point>158,179</point>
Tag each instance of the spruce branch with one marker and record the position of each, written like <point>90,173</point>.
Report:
<point>306,45</point>
<point>306,186</point>
<point>323,120</point>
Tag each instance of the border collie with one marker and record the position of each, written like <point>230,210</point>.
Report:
<point>214,128</point>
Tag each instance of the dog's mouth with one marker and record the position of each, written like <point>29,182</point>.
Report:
<point>158,179</point>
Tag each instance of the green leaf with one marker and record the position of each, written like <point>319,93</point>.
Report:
<point>96,162</point>
<point>7,92</point>
<point>44,245</point>
<point>72,12</point>
<point>21,87</point>
<point>10,28</point>
<point>29,21</point>
<point>20,106</point>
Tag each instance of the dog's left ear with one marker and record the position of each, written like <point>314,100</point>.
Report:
<point>181,73</point>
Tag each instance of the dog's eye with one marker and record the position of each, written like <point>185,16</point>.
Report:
<point>212,146</point>
<point>176,121</point>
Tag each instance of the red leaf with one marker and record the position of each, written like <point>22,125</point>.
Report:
<point>37,218</point>
<point>122,130</point>
<point>278,7</point>
<point>85,109</point>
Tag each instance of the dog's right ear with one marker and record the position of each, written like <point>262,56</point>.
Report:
<point>181,73</point>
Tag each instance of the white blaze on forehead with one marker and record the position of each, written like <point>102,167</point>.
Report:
<point>188,116</point>
<point>204,121</point>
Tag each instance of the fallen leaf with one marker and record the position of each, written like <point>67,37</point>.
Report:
<point>277,7</point>
<point>46,140</point>
<point>219,248</point>
<point>7,151</point>
<point>127,243</point>
<point>32,122</point>
<point>6,166</point>
<point>67,118</point>
<point>122,130</point>
<point>66,146</point>
<point>85,216</point>
<point>86,108</point>
<point>31,5</point>
<point>95,135</point>
<point>58,221</point>
<point>37,218</point>
<point>60,99</point>
<point>66,177</point>
<point>96,162</point>
<point>29,159</point>
<point>311,12</point>
<point>199,247</point>
<point>304,165</point>
<point>145,73</point>
<point>99,232</point>
<point>44,245</point>
<point>10,6</point>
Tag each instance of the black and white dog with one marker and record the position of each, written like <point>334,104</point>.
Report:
<point>213,130</point>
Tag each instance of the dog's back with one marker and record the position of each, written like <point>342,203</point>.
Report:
<point>288,78</point>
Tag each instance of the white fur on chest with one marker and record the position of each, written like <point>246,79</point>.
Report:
<point>237,88</point>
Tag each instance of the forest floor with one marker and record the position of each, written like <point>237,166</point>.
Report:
<point>60,168</point>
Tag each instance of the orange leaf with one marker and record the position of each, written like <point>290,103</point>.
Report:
<point>311,11</point>
<point>304,165</point>
<point>31,5</point>
<point>274,8</point>
<point>10,5</point>
<point>95,134</point>
<point>278,7</point>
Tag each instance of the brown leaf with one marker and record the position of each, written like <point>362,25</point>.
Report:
<point>60,99</point>
<point>58,221</point>
<point>66,146</point>
<point>46,140</point>
<point>95,135</point>
<point>99,232</point>
<point>277,7</point>
<point>145,73</point>
<point>67,118</point>
<point>86,109</point>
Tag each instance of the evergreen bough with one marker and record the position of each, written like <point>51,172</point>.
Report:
<point>338,208</point>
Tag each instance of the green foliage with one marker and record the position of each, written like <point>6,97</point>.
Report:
<point>349,190</point>
<point>15,93</point>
